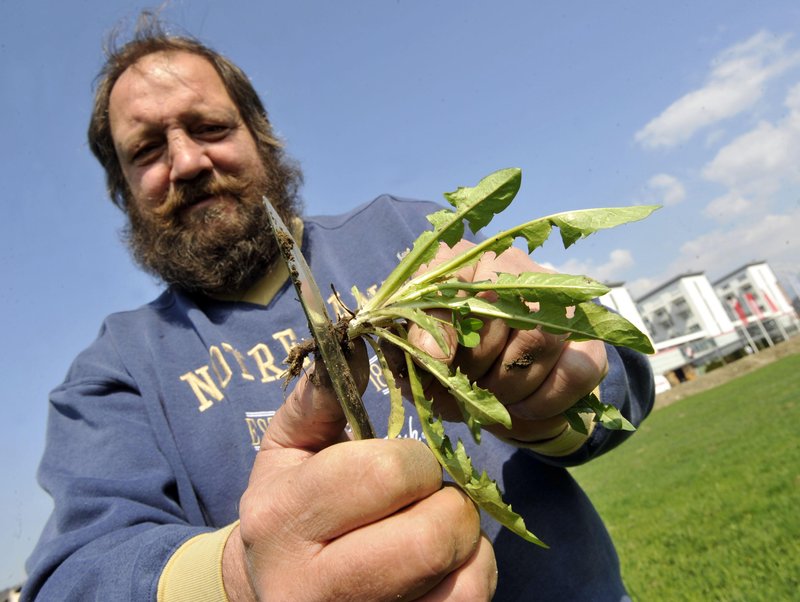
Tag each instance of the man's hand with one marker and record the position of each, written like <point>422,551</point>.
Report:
<point>537,375</point>
<point>325,518</point>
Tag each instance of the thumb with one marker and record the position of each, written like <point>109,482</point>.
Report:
<point>443,350</point>
<point>311,417</point>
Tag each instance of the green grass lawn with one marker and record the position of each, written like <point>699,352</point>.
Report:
<point>704,502</point>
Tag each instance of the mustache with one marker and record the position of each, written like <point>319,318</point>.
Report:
<point>185,194</point>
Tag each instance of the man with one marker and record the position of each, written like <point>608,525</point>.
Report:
<point>172,474</point>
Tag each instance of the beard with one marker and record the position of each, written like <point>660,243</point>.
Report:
<point>221,249</point>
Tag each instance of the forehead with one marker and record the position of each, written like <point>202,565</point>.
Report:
<point>166,82</point>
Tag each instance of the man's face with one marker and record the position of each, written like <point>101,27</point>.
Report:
<point>194,173</point>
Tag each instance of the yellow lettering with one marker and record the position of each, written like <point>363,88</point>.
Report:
<point>218,362</point>
<point>266,363</point>
<point>237,355</point>
<point>255,439</point>
<point>201,384</point>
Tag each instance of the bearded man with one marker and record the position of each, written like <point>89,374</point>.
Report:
<point>179,472</point>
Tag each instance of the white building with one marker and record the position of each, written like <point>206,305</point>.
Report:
<point>688,325</point>
<point>756,304</point>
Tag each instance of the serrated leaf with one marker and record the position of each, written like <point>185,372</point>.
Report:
<point>429,323</point>
<point>449,231</point>
<point>480,404</point>
<point>575,225</point>
<point>535,233</point>
<point>604,413</point>
<point>479,407</point>
<point>562,289</point>
<point>486,494</point>
<point>480,488</point>
<point>592,321</point>
<point>479,204</point>
<point>575,421</point>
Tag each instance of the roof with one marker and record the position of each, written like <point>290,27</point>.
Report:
<point>736,271</point>
<point>668,283</point>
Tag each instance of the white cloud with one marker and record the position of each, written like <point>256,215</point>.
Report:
<point>668,189</point>
<point>727,207</point>
<point>773,237</point>
<point>618,261</point>
<point>761,161</point>
<point>736,82</point>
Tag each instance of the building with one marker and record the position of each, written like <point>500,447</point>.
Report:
<point>689,326</point>
<point>757,304</point>
<point>694,324</point>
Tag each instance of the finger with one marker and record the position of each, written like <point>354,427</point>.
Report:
<point>475,580</point>
<point>523,365</point>
<point>579,369</point>
<point>422,339</point>
<point>319,497</point>
<point>434,537</point>
<point>426,342</point>
<point>311,417</point>
<point>477,361</point>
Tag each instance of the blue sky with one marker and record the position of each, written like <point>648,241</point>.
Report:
<point>693,105</point>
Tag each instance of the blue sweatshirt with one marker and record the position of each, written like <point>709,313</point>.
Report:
<point>152,435</point>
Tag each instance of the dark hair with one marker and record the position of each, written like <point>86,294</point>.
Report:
<point>150,37</point>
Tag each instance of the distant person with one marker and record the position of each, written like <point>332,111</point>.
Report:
<point>179,467</point>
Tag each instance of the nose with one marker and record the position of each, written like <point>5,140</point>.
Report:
<point>188,158</point>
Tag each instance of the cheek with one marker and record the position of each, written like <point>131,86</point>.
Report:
<point>238,157</point>
<point>149,187</point>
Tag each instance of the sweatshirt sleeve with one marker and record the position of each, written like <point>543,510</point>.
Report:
<point>117,515</point>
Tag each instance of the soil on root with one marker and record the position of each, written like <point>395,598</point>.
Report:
<point>299,352</point>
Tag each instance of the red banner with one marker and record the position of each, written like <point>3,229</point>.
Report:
<point>771,304</point>
<point>753,304</point>
<point>737,307</point>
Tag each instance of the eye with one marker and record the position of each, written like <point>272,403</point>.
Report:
<point>212,131</point>
<point>146,153</point>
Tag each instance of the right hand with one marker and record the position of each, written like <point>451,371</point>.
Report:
<point>325,518</point>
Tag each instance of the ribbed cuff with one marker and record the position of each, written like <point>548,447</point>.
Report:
<point>194,572</point>
<point>567,442</point>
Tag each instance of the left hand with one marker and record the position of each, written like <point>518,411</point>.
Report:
<point>537,375</point>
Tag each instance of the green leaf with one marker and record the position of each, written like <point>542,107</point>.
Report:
<point>479,404</point>
<point>479,204</point>
<point>580,224</point>
<point>604,413</point>
<point>449,231</point>
<point>576,224</point>
<point>562,289</point>
<point>592,321</point>
<point>396,406</point>
<point>487,495</point>
<point>467,328</point>
<point>479,487</point>
<point>427,322</point>
<point>536,233</point>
